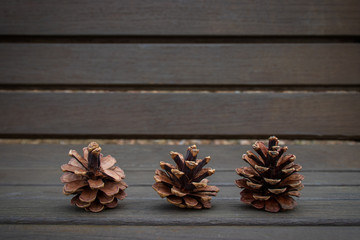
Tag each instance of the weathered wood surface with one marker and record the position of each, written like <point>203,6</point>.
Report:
<point>324,201</point>
<point>142,178</point>
<point>165,17</point>
<point>179,115</point>
<point>159,65</point>
<point>47,205</point>
<point>60,232</point>
<point>312,157</point>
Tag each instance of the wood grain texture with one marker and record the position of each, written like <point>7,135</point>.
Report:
<point>323,165</point>
<point>59,232</point>
<point>165,17</point>
<point>27,205</point>
<point>312,157</point>
<point>180,64</point>
<point>180,115</point>
<point>324,202</point>
<point>146,193</point>
<point>30,177</point>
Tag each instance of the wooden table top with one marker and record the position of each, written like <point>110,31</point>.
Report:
<point>33,205</point>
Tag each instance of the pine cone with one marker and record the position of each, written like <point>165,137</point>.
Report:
<point>272,179</point>
<point>94,179</point>
<point>185,185</point>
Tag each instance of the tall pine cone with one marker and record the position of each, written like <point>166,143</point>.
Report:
<point>185,185</point>
<point>272,179</point>
<point>94,179</point>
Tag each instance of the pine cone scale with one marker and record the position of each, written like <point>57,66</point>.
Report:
<point>112,204</point>
<point>184,184</point>
<point>73,169</point>
<point>107,162</point>
<point>94,179</point>
<point>121,195</point>
<point>174,200</point>
<point>272,179</point>
<point>74,186</point>
<point>162,189</point>
<point>76,201</point>
<point>112,174</point>
<point>96,184</point>
<point>79,159</point>
<point>70,177</point>
<point>286,202</point>
<point>111,188</point>
<point>272,205</point>
<point>88,195</point>
<point>105,199</point>
<point>96,207</point>
<point>190,202</point>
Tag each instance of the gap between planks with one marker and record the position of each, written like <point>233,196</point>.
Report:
<point>60,232</point>
<point>177,39</point>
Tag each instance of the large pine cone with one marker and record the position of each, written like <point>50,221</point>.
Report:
<point>94,179</point>
<point>272,179</point>
<point>185,185</point>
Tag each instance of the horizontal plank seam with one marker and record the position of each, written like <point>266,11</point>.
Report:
<point>227,184</point>
<point>180,221</point>
<point>176,39</point>
<point>210,88</point>
<point>233,170</point>
<point>171,136</point>
<point>179,88</point>
<point>217,169</point>
<point>217,199</point>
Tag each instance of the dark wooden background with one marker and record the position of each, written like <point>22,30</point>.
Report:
<point>179,69</point>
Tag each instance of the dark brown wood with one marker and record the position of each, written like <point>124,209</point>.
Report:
<point>165,17</point>
<point>179,115</point>
<point>29,231</point>
<point>159,65</point>
<point>312,157</point>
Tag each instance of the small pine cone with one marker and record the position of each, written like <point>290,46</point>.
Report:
<point>272,178</point>
<point>97,183</point>
<point>185,185</point>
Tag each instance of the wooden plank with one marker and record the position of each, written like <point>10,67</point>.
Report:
<point>29,231</point>
<point>29,205</point>
<point>146,193</point>
<point>143,17</point>
<point>315,115</point>
<point>130,65</point>
<point>31,177</point>
<point>313,157</point>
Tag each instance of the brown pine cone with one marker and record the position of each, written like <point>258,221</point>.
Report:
<point>185,185</point>
<point>272,178</point>
<point>97,183</point>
